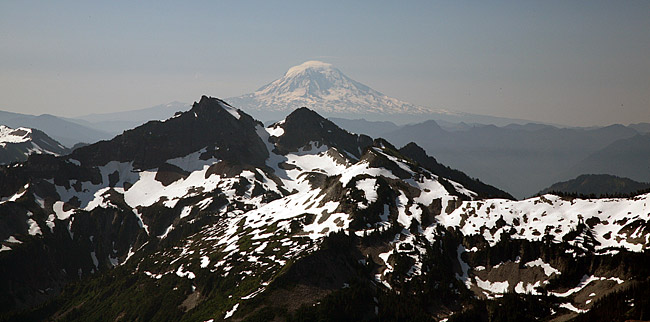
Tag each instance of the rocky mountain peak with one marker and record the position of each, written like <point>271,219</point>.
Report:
<point>210,123</point>
<point>304,126</point>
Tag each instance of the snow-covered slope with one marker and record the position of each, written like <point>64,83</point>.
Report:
<point>612,222</point>
<point>323,88</point>
<point>16,144</point>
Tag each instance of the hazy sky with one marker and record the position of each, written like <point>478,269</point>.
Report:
<point>569,62</point>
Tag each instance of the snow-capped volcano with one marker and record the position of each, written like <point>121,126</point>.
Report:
<point>325,89</point>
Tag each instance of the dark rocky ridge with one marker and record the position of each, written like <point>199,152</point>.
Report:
<point>485,191</point>
<point>41,265</point>
<point>207,124</point>
<point>304,125</point>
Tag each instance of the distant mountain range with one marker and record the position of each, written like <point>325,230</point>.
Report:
<point>522,158</point>
<point>17,144</point>
<point>93,127</point>
<point>597,185</point>
<point>115,123</point>
<point>627,157</point>
<point>63,130</point>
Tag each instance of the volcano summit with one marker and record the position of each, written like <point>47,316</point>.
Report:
<point>325,89</point>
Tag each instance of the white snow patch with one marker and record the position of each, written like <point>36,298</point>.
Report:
<point>368,186</point>
<point>548,269</point>
<point>192,162</point>
<point>75,162</point>
<point>186,211</point>
<point>493,287</point>
<point>233,111</point>
<point>60,213</point>
<point>17,135</point>
<point>570,307</point>
<point>231,311</point>
<point>94,258</point>
<point>527,288</point>
<point>187,274</point>
<point>34,229</point>
<point>205,261</point>
<point>584,282</point>
<point>13,240</point>
<point>276,130</point>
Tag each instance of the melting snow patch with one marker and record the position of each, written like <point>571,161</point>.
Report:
<point>368,186</point>
<point>231,312</point>
<point>156,276</point>
<point>94,257</point>
<point>527,288</point>
<point>205,261</point>
<point>252,295</point>
<point>570,307</point>
<point>75,162</point>
<point>493,287</point>
<point>140,222</point>
<point>187,274</point>
<point>192,162</point>
<point>186,211</point>
<point>50,222</point>
<point>548,269</point>
<point>114,260</point>
<point>384,257</point>
<point>276,131</point>
<point>34,229</point>
<point>584,282</point>
<point>18,195</point>
<point>170,228</point>
<point>58,210</point>
<point>204,203</point>
<point>13,240</point>
<point>131,253</point>
<point>403,218</point>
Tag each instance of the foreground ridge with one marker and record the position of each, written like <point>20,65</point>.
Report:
<point>211,215</point>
